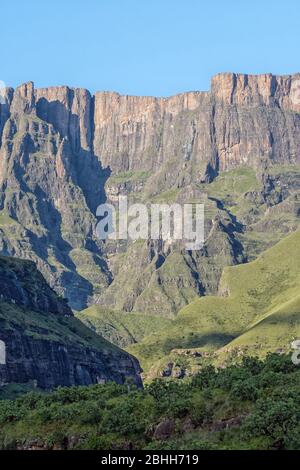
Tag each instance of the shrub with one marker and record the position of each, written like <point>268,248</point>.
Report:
<point>272,418</point>
<point>244,390</point>
<point>200,411</point>
<point>205,379</point>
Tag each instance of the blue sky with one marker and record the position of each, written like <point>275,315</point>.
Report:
<point>145,47</point>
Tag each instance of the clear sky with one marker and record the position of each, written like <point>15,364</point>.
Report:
<point>145,47</point>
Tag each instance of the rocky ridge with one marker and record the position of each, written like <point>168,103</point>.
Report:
<point>63,152</point>
<point>44,344</point>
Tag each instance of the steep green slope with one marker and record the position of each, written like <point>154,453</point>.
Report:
<point>265,291</point>
<point>246,212</point>
<point>121,328</point>
<point>42,342</point>
<point>269,333</point>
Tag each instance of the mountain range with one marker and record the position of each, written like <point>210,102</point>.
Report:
<point>235,148</point>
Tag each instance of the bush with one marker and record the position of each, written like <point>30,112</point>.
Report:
<point>200,411</point>
<point>292,439</point>
<point>11,411</point>
<point>227,378</point>
<point>205,379</point>
<point>252,364</point>
<point>278,363</point>
<point>111,416</point>
<point>244,390</point>
<point>272,418</point>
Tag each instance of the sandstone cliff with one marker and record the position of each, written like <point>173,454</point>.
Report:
<point>242,120</point>
<point>64,151</point>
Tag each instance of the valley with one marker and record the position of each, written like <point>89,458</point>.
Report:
<point>103,319</point>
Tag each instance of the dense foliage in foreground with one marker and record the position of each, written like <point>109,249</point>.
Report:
<point>255,405</point>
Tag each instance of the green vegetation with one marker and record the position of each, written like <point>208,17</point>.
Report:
<point>169,288</point>
<point>39,325</point>
<point>158,287</point>
<point>259,306</point>
<point>91,267</point>
<point>229,186</point>
<point>5,219</point>
<point>166,197</point>
<point>244,217</point>
<point>290,170</point>
<point>129,176</point>
<point>255,405</point>
<point>121,328</point>
<point>23,280</point>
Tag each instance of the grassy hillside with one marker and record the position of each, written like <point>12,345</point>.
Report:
<point>121,328</point>
<point>246,213</point>
<point>41,325</point>
<point>270,333</point>
<point>28,304</point>
<point>259,309</point>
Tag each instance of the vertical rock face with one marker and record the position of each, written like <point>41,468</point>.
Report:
<point>6,96</point>
<point>243,120</point>
<point>257,90</point>
<point>256,119</point>
<point>137,133</point>
<point>70,112</point>
<point>23,100</point>
<point>63,152</point>
<point>50,185</point>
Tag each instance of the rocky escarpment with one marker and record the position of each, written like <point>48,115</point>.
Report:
<point>22,284</point>
<point>242,120</point>
<point>51,184</point>
<point>63,152</point>
<point>42,343</point>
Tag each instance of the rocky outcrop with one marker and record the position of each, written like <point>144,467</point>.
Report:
<point>50,186</point>
<point>49,364</point>
<point>63,152</point>
<point>22,284</point>
<point>138,133</point>
<point>44,343</point>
